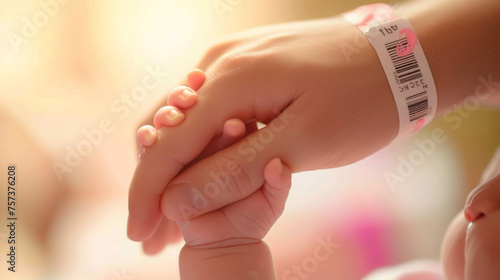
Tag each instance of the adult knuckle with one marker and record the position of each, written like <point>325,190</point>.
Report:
<point>234,60</point>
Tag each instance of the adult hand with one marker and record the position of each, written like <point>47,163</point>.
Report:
<point>319,108</point>
<point>319,87</point>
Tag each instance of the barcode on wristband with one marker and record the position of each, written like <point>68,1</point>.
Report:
<point>407,72</point>
<point>418,105</point>
<point>406,67</point>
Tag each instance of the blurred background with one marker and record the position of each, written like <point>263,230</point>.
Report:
<point>68,68</point>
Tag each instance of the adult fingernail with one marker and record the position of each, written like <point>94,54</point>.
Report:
<point>174,114</point>
<point>187,93</point>
<point>146,136</point>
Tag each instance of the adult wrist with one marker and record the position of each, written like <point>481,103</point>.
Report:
<point>404,63</point>
<point>460,44</point>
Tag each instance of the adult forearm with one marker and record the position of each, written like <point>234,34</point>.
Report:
<point>461,43</point>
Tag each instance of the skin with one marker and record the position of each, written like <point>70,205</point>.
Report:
<point>232,225</point>
<point>295,78</point>
<point>485,198</point>
<point>246,262</point>
<point>471,250</point>
<point>482,248</point>
<point>452,248</point>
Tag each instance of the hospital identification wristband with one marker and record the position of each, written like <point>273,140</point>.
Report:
<point>403,61</point>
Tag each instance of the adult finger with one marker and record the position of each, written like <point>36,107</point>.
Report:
<point>231,174</point>
<point>177,146</point>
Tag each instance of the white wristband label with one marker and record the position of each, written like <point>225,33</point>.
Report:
<point>408,73</point>
<point>403,61</point>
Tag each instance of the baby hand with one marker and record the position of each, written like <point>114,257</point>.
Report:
<point>245,221</point>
